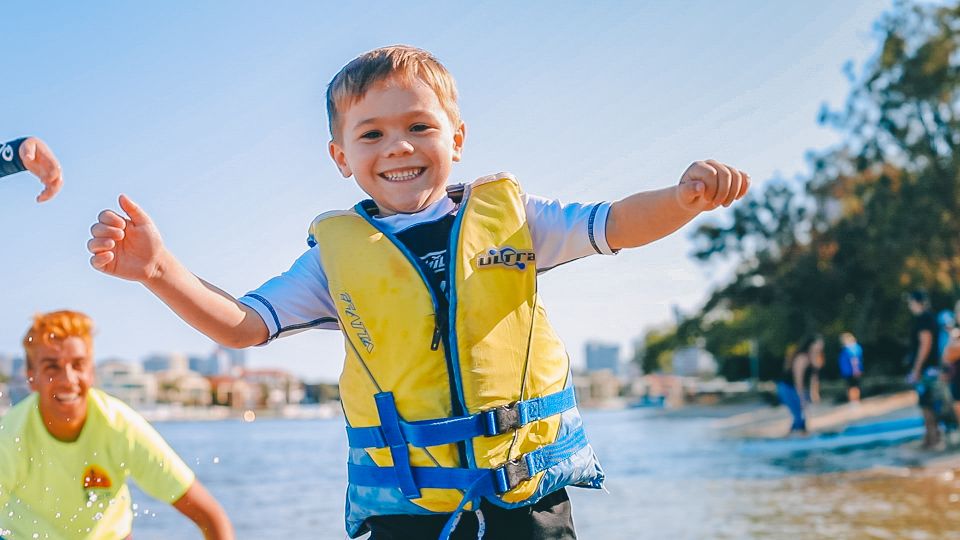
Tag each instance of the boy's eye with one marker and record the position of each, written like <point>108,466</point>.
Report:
<point>371,135</point>
<point>419,127</point>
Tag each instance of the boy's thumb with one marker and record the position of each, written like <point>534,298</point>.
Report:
<point>690,191</point>
<point>133,210</point>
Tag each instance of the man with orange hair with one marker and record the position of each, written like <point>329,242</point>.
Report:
<point>67,450</point>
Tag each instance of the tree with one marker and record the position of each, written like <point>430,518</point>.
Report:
<point>877,215</point>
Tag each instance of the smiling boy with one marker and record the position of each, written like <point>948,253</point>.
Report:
<point>455,388</point>
<point>66,451</point>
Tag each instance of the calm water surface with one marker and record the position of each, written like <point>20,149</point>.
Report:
<point>667,478</point>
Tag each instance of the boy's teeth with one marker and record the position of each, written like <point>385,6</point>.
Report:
<point>398,176</point>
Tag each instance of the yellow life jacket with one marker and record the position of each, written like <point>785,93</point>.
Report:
<point>445,408</point>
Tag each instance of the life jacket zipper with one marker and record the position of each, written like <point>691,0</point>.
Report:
<point>437,334</point>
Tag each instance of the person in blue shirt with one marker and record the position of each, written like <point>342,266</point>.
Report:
<point>32,154</point>
<point>851,365</point>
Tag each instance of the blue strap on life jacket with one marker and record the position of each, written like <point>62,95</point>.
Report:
<point>477,483</point>
<point>390,423</point>
<point>493,481</point>
<point>424,433</point>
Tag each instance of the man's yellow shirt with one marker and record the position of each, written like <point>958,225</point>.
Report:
<point>50,489</point>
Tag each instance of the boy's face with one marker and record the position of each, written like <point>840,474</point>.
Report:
<point>61,374</point>
<point>399,145</point>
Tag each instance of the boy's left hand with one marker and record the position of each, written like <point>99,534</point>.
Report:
<point>705,185</point>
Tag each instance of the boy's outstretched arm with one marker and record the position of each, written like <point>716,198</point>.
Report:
<point>650,215</point>
<point>131,248</point>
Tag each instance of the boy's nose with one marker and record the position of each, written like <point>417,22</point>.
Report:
<point>399,147</point>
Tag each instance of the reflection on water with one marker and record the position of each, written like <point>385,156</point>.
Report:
<point>666,479</point>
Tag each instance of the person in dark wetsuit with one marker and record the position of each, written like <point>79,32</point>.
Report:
<point>925,370</point>
<point>32,154</point>
<point>799,383</point>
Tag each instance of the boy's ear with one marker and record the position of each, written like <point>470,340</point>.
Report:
<point>459,135</point>
<point>340,159</point>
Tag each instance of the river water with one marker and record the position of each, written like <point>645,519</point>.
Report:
<point>667,478</point>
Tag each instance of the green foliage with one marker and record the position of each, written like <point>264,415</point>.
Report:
<point>878,215</point>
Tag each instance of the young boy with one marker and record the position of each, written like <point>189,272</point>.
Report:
<point>851,365</point>
<point>66,451</point>
<point>32,154</point>
<point>455,388</point>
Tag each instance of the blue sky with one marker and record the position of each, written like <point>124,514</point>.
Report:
<point>211,116</point>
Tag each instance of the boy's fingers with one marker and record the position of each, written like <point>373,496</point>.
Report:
<point>723,182</point>
<point>99,230</point>
<point>111,219</point>
<point>97,245</point>
<point>736,179</point>
<point>102,259</point>
<point>133,210</point>
<point>744,186</point>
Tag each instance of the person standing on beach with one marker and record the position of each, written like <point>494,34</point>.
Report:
<point>799,383</point>
<point>67,450</point>
<point>32,154</point>
<point>851,365</point>
<point>925,361</point>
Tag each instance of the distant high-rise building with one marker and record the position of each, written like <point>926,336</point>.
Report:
<point>206,365</point>
<point>236,358</point>
<point>165,362</point>
<point>603,356</point>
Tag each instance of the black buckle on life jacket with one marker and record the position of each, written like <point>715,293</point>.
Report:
<point>455,192</point>
<point>511,473</point>
<point>502,419</point>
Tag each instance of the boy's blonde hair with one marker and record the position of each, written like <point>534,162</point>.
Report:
<point>402,61</point>
<point>56,326</point>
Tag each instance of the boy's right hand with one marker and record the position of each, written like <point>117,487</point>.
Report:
<point>126,247</point>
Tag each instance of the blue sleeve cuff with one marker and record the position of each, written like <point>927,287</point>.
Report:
<point>598,229</point>
<point>10,162</point>
<point>266,312</point>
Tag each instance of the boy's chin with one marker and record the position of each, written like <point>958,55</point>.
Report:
<point>412,206</point>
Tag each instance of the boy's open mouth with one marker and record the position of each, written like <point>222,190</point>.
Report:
<point>402,175</point>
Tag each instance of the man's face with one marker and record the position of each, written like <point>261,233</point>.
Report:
<point>62,373</point>
<point>915,307</point>
<point>399,145</point>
